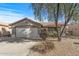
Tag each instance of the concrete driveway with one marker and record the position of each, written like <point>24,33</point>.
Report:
<point>15,48</point>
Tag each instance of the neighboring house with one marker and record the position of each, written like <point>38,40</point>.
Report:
<point>4,29</point>
<point>26,28</point>
<point>73,29</point>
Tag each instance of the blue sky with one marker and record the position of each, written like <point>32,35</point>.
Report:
<point>11,12</point>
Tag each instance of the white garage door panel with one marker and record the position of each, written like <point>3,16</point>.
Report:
<point>34,33</point>
<point>22,32</point>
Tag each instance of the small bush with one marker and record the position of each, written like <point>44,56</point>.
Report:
<point>43,47</point>
<point>43,34</point>
<point>52,34</point>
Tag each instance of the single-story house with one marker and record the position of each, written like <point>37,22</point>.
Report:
<point>26,28</point>
<point>30,29</point>
<point>4,29</point>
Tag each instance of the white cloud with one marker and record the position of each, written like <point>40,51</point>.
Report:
<point>10,15</point>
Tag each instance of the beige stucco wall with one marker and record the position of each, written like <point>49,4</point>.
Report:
<point>75,29</point>
<point>7,28</point>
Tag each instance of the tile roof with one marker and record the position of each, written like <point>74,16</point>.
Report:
<point>44,24</point>
<point>51,24</point>
<point>4,24</point>
<point>25,19</point>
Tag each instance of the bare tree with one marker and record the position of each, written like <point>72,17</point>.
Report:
<point>53,11</point>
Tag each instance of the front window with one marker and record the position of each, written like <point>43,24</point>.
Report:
<point>50,29</point>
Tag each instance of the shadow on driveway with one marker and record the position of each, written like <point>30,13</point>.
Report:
<point>17,39</point>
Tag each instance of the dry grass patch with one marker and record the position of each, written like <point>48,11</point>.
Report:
<point>43,47</point>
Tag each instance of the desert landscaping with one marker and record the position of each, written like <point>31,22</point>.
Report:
<point>66,47</point>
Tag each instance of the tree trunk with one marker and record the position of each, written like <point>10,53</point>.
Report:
<point>59,38</point>
<point>69,18</point>
<point>56,22</point>
<point>62,30</point>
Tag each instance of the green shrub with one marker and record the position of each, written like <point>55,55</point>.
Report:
<point>52,34</point>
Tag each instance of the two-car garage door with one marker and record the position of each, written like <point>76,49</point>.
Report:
<point>22,32</point>
<point>27,32</point>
